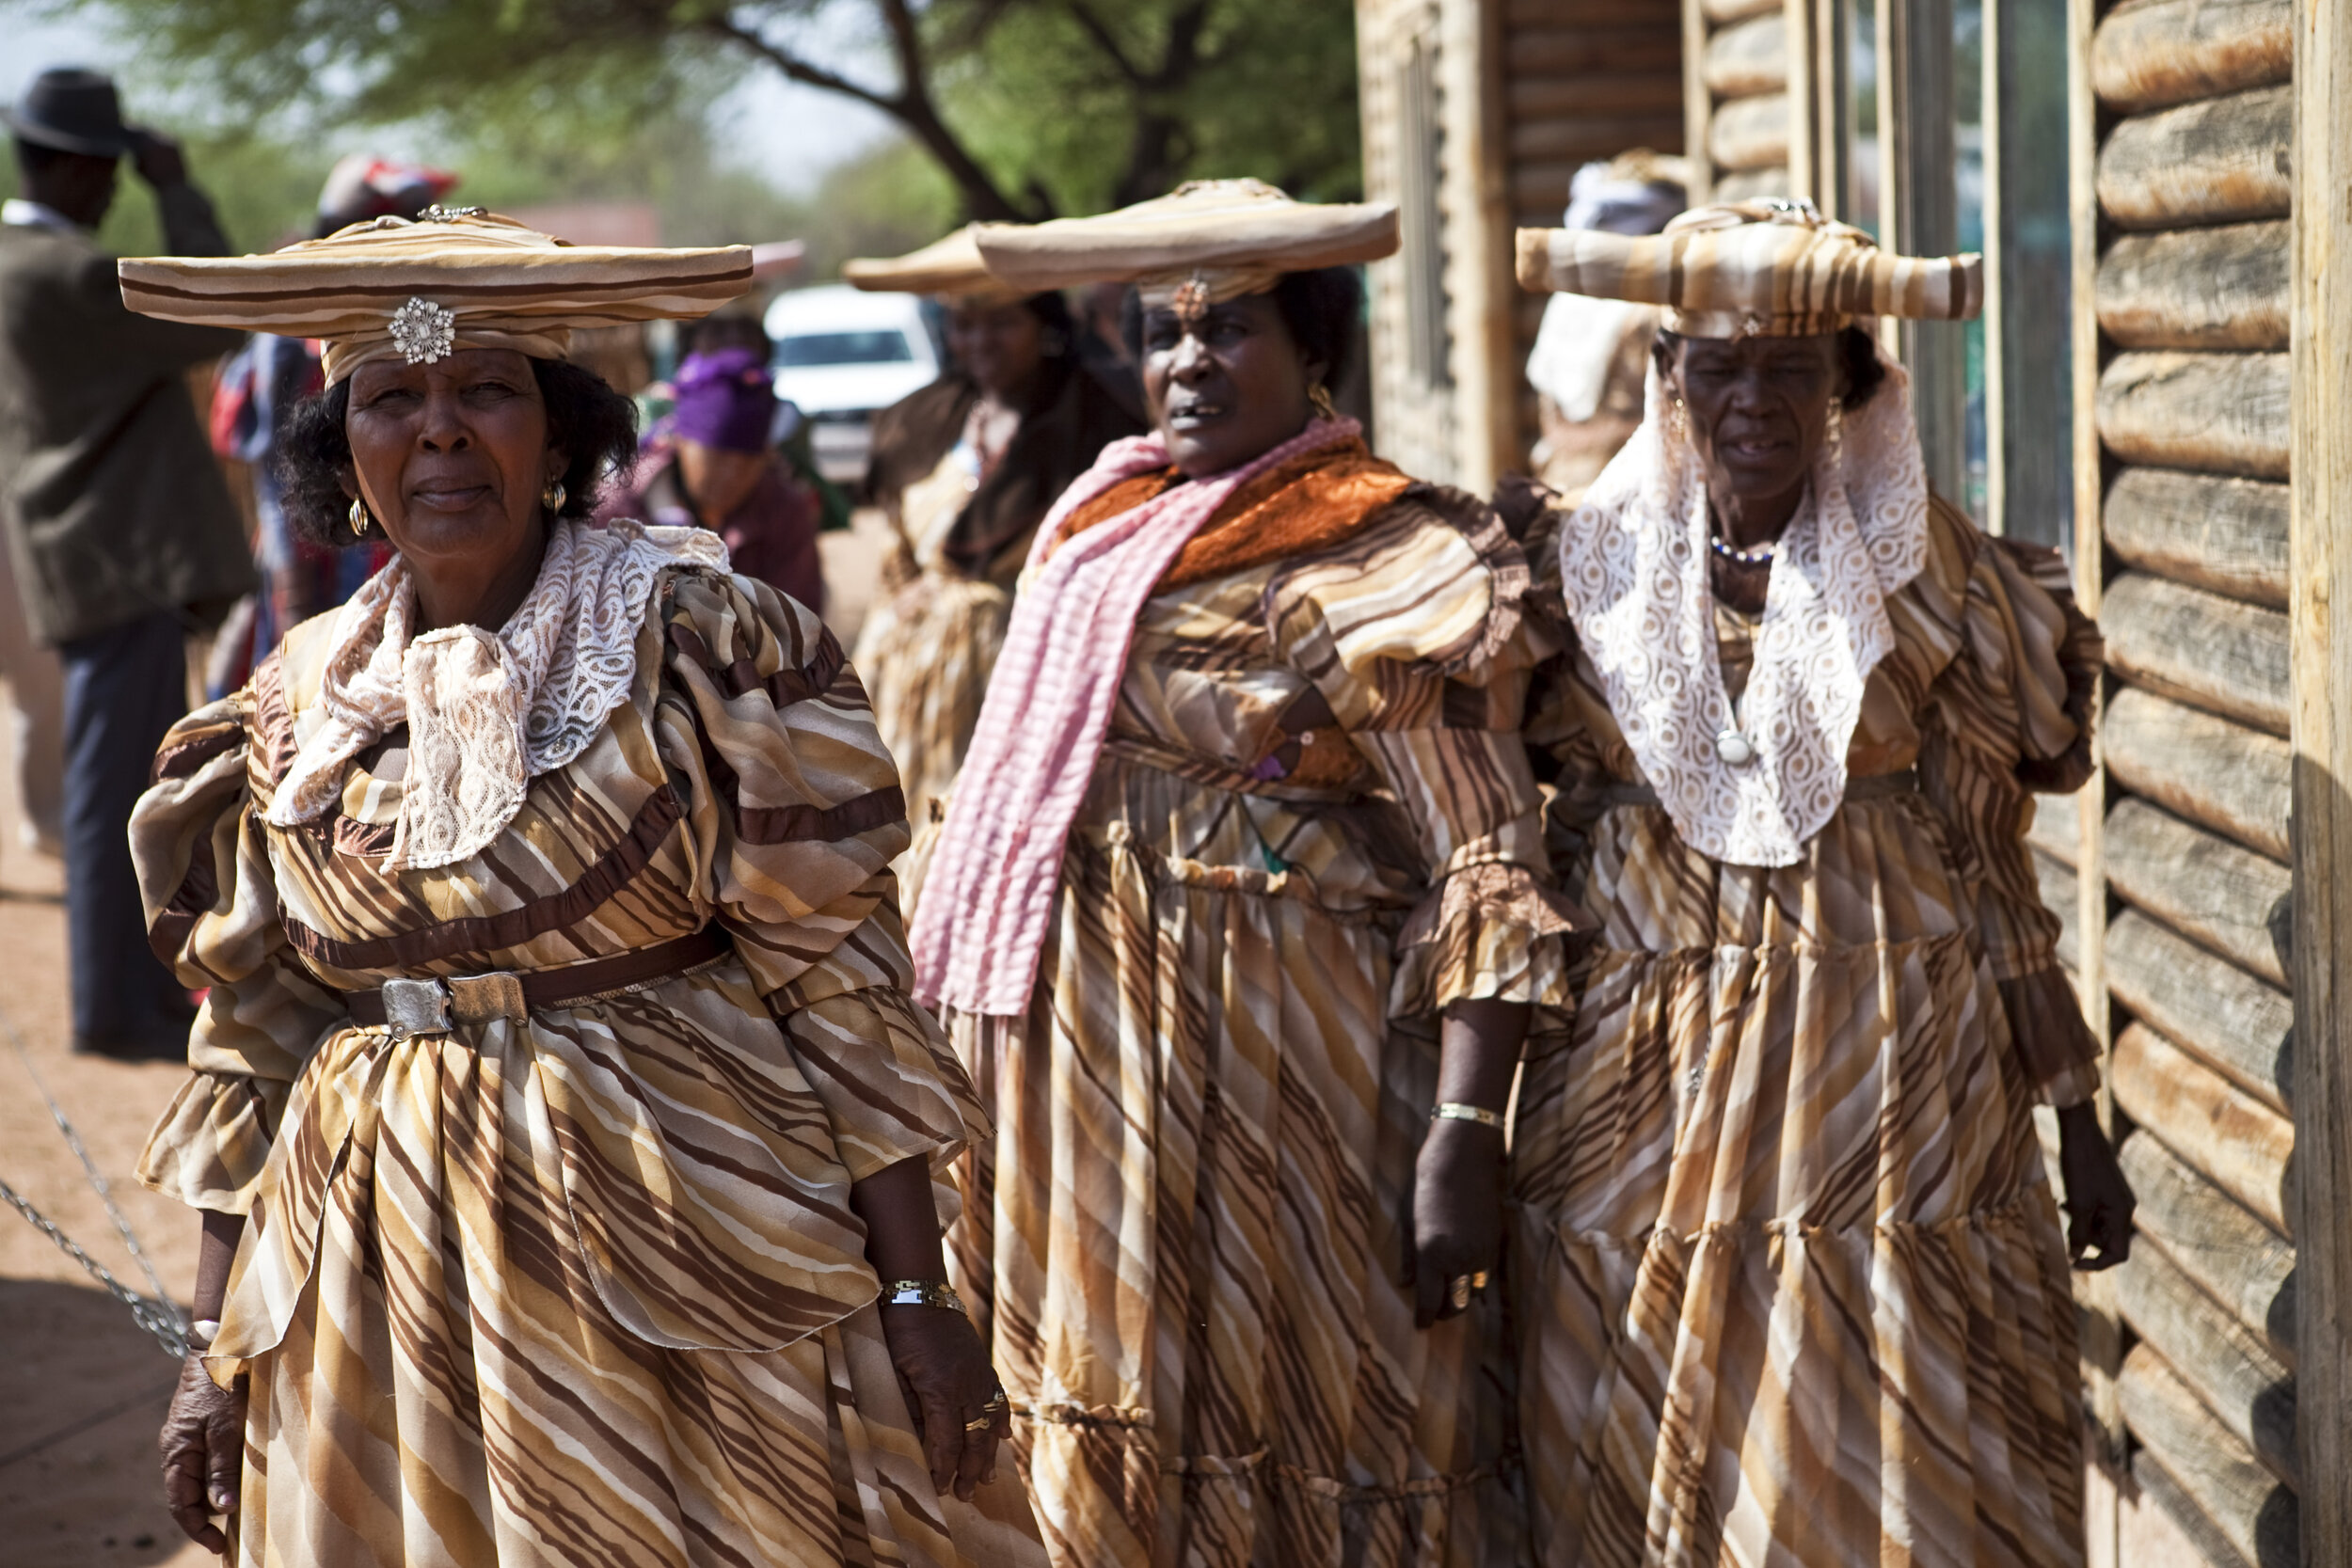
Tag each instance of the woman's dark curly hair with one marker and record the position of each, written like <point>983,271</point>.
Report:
<point>1321,308</point>
<point>586,418</point>
<point>1857,354</point>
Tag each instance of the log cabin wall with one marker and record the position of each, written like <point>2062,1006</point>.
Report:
<point>2183,284</point>
<point>1581,81</point>
<point>1476,114</point>
<point>1738,100</point>
<point>1416,416</point>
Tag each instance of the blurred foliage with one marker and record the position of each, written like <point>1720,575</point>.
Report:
<point>1023,107</point>
<point>888,199</point>
<point>1149,94</point>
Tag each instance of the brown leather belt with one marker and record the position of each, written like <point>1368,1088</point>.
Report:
<point>434,1006</point>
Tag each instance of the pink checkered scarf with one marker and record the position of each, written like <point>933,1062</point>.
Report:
<point>989,892</point>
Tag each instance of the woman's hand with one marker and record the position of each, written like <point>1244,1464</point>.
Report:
<point>952,1392</point>
<point>1457,1214</point>
<point>1458,1182</point>
<point>2099,1201</point>
<point>203,1444</point>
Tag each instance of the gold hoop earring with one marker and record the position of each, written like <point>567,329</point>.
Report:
<point>1319,398</point>
<point>553,496</point>
<point>360,518</point>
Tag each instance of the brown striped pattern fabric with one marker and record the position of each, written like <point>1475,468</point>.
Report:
<point>1789,1279</point>
<point>508,286</point>
<point>584,1289</point>
<point>1723,272</point>
<point>1241,235</point>
<point>926,649</point>
<point>1187,1227</point>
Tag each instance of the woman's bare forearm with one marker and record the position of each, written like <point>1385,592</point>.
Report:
<point>902,1238</point>
<point>1479,1051</point>
<point>213,1254</point>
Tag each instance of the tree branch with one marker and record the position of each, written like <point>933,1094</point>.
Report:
<point>906,41</point>
<point>1094,28</point>
<point>1183,58</point>
<point>911,106</point>
<point>794,67</point>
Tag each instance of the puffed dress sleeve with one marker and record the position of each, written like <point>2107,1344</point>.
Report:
<point>796,812</point>
<point>2015,712</point>
<point>1414,637</point>
<point>211,913</point>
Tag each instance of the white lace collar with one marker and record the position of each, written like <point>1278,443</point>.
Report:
<point>1634,569</point>
<point>486,713</point>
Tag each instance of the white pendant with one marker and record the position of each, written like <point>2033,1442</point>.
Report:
<point>1735,748</point>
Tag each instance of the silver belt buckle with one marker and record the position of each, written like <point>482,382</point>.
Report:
<point>415,1008</point>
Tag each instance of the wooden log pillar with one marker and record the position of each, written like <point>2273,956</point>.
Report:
<point>2321,349</point>
<point>2103,1332</point>
<point>1920,206</point>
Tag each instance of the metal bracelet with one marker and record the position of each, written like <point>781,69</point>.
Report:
<point>923,1293</point>
<point>1455,1110</point>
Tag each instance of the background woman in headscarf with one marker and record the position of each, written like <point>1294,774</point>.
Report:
<point>964,469</point>
<point>1591,357</point>
<point>1789,1281</point>
<point>564,1132</point>
<point>711,466</point>
<point>1237,917</point>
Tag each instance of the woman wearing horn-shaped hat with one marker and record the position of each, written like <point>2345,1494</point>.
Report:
<point>1792,1286</point>
<point>562,1127</point>
<point>1238,916</point>
<point>964,469</point>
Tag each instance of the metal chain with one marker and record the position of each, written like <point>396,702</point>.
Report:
<point>158,1316</point>
<point>89,1167</point>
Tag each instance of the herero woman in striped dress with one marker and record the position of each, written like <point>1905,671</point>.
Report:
<point>1247,828</point>
<point>559,1112</point>
<point>1791,1286</point>
<point>963,471</point>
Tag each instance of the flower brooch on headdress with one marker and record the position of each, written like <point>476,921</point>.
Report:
<point>424,332</point>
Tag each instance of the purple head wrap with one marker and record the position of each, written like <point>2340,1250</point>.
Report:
<point>724,399</point>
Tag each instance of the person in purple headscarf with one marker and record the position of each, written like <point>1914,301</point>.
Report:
<point>709,466</point>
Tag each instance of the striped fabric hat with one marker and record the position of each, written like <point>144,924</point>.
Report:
<point>1756,269</point>
<point>454,278</point>
<point>951,269</point>
<point>1224,238</point>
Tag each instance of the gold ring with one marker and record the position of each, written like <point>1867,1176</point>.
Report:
<point>985,1422</point>
<point>1460,1293</point>
<point>1478,1280</point>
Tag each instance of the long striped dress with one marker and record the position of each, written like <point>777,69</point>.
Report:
<point>928,644</point>
<point>584,1289</point>
<point>1789,1281</point>
<point>1208,1118</point>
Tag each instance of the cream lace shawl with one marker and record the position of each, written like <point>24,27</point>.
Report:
<point>486,713</point>
<point>1634,568</point>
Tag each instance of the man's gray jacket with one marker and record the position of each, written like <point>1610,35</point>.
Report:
<point>111,501</point>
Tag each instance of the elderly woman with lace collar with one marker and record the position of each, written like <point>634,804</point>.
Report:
<point>1789,1281</point>
<point>563,1130</point>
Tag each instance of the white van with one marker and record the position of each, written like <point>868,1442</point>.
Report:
<point>843,356</point>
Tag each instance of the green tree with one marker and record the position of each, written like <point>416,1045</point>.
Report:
<point>1026,106</point>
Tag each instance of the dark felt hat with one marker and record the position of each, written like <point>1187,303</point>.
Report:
<point>73,110</point>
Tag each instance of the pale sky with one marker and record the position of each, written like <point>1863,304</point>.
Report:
<point>792,134</point>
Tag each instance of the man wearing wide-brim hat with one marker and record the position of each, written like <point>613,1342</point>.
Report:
<point>119,528</point>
